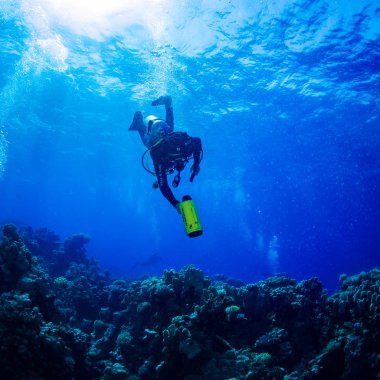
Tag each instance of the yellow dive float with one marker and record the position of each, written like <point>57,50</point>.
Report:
<point>190,217</point>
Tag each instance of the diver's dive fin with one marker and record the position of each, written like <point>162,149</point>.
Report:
<point>163,100</point>
<point>137,123</point>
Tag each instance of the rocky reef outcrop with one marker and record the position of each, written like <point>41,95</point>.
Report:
<point>62,317</point>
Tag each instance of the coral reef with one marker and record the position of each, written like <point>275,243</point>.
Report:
<point>62,317</point>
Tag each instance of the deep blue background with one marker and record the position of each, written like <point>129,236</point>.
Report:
<point>284,95</point>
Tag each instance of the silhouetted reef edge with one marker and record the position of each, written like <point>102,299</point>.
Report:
<point>63,317</point>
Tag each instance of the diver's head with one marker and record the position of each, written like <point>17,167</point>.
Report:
<point>148,121</point>
<point>156,128</point>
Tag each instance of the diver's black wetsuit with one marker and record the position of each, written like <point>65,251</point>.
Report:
<point>173,151</point>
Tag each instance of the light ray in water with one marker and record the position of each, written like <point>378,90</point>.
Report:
<point>3,152</point>
<point>273,254</point>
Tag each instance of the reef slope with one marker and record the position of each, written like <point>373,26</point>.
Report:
<point>62,317</point>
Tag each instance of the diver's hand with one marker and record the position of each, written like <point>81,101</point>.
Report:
<point>194,171</point>
<point>163,100</point>
<point>177,207</point>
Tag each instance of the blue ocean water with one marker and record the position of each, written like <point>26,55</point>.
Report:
<point>284,95</point>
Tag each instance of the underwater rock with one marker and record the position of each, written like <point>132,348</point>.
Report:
<point>41,241</point>
<point>15,258</point>
<point>20,271</point>
<point>31,348</point>
<point>99,328</point>
<point>82,292</point>
<point>74,248</point>
<point>76,322</point>
<point>117,371</point>
<point>188,285</point>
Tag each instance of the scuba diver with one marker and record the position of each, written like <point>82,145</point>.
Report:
<point>170,151</point>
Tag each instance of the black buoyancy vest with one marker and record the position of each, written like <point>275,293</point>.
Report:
<point>173,147</point>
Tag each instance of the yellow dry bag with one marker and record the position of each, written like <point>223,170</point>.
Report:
<point>190,217</point>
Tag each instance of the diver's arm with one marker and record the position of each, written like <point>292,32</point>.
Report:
<point>196,148</point>
<point>162,180</point>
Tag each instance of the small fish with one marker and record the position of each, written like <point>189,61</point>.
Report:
<point>150,261</point>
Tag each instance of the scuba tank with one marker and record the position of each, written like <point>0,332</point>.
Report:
<point>190,217</point>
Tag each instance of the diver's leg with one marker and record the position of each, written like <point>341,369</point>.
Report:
<point>137,123</point>
<point>139,126</point>
<point>167,101</point>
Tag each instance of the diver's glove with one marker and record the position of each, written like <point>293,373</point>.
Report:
<point>194,171</point>
<point>163,100</point>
